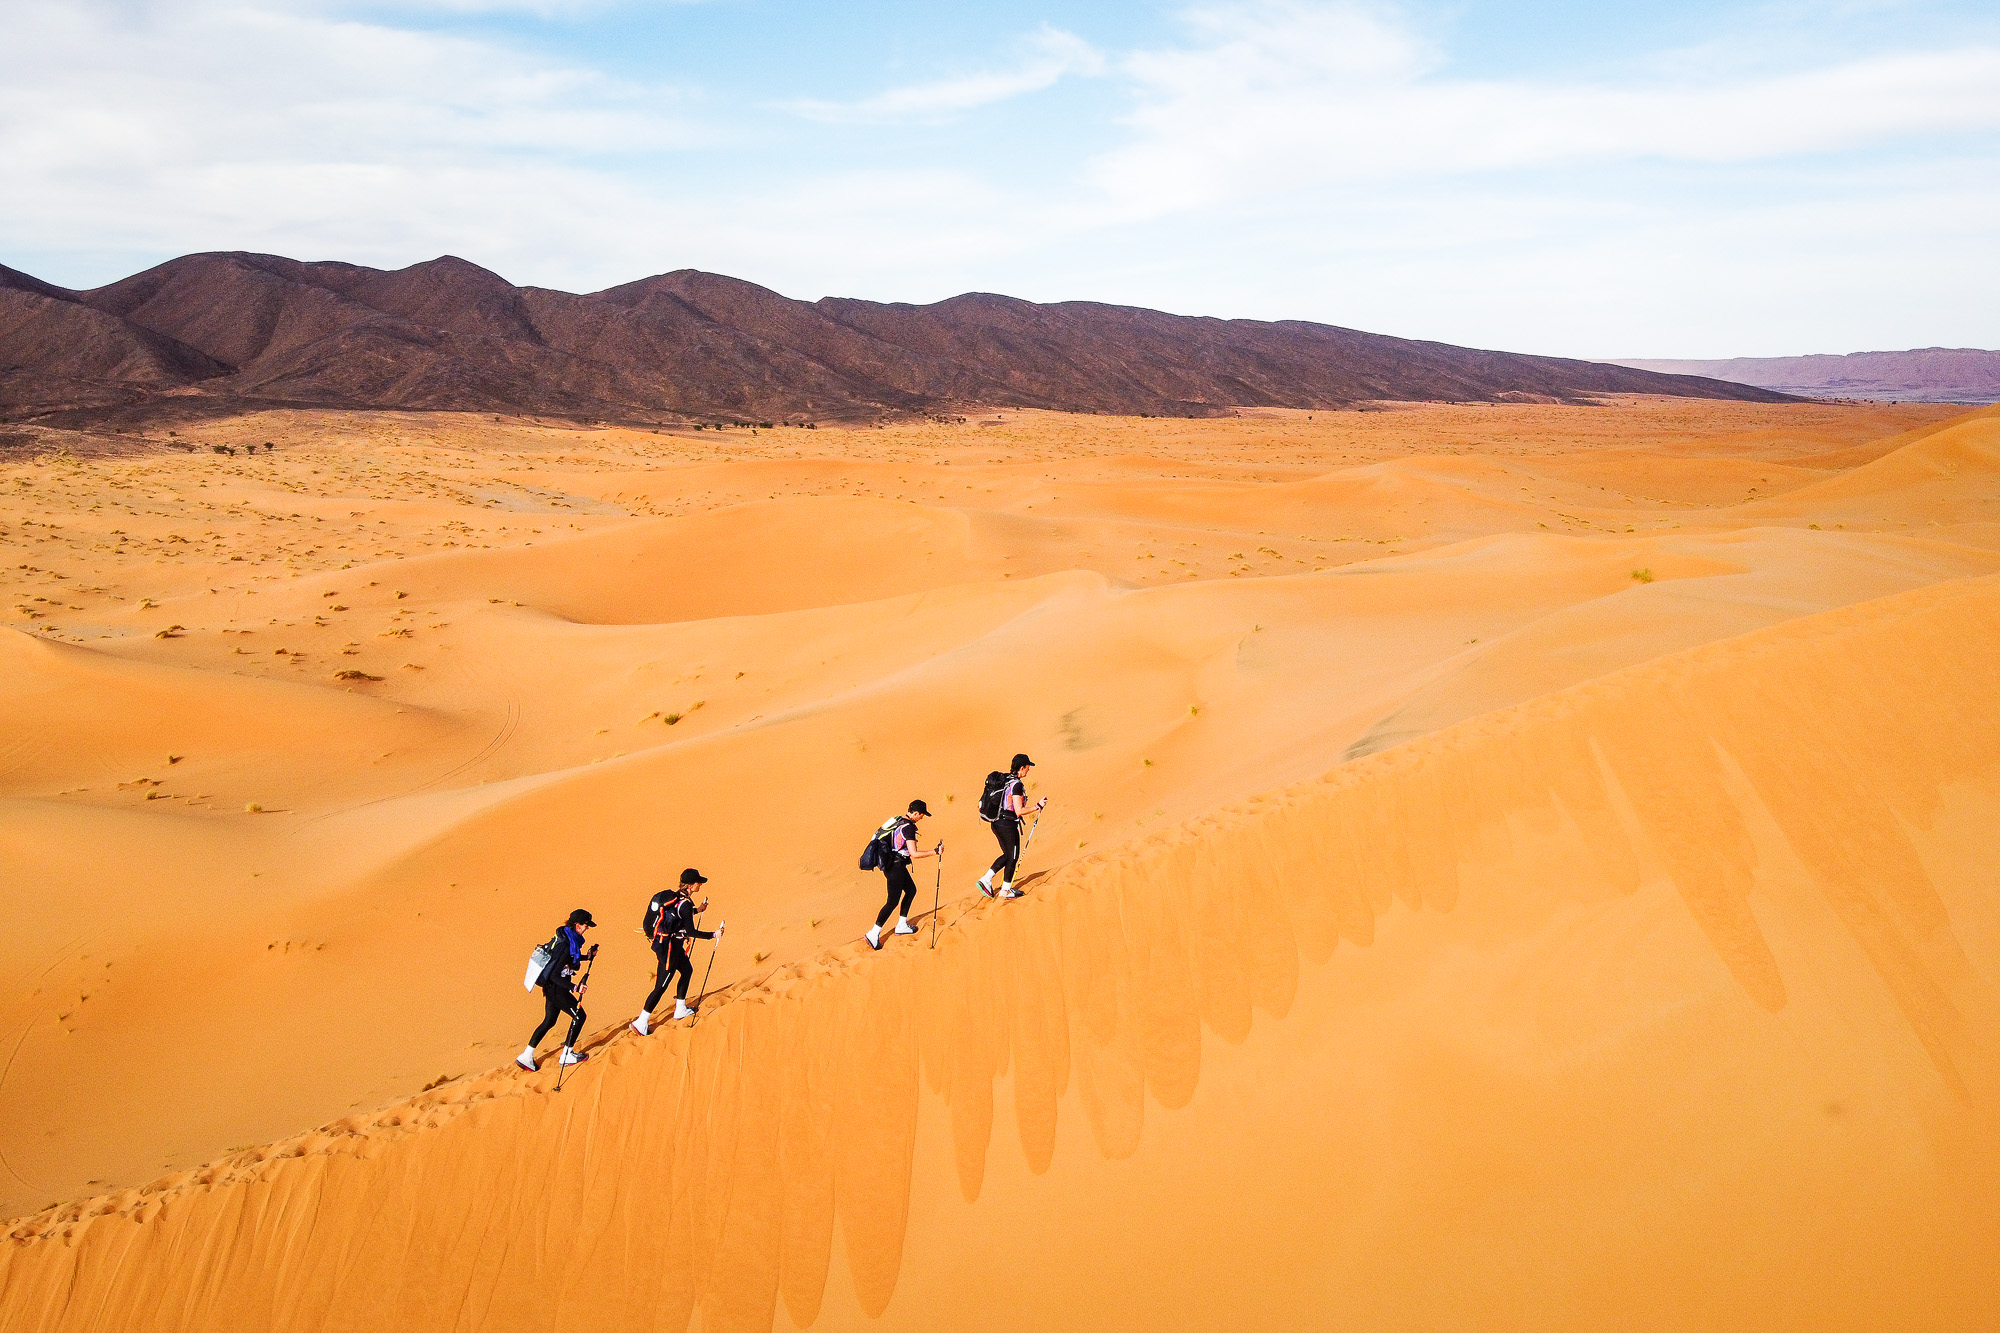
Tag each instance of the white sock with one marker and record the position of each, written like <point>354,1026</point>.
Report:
<point>903,926</point>
<point>986,880</point>
<point>528,1055</point>
<point>874,934</point>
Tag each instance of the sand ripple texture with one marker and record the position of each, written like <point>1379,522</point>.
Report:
<point>1664,1001</point>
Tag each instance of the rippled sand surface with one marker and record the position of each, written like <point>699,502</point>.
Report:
<point>1506,867</point>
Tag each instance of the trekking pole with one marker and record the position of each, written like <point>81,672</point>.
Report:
<point>1028,841</point>
<point>937,892</point>
<point>582,985</point>
<point>713,950</point>
<point>1033,825</point>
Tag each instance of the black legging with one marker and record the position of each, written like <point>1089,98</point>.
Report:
<point>674,961</point>
<point>1008,830</point>
<point>558,999</point>
<point>901,887</point>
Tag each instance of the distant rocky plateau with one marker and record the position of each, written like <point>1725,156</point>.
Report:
<point>1922,375</point>
<point>212,334</point>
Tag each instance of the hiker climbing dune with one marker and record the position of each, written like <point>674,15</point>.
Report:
<point>1004,804</point>
<point>555,967</point>
<point>670,922</point>
<point>891,850</point>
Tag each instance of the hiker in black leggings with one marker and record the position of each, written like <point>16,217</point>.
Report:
<point>562,993</point>
<point>899,847</point>
<point>669,924</point>
<point>558,999</point>
<point>1007,830</point>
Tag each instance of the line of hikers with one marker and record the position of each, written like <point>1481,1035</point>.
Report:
<point>561,968</point>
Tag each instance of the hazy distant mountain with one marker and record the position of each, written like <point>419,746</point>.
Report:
<point>213,332</point>
<point>1925,375</point>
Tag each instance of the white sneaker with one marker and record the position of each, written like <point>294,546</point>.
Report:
<point>681,1010</point>
<point>526,1059</point>
<point>903,926</point>
<point>570,1057</point>
<point>874,937</point>
<point>986,884</point>
<point>643,1023</point>
<point>1008,891</point>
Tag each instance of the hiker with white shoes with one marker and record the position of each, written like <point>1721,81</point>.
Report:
<point>669,924</point>
<point>1004,804</point>
<point>891,850</point>
<point>555,967</point>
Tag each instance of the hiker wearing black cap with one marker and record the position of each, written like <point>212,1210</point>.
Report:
<point>897,839</point>
<point>670,924</point>
<point>1003,804</point>
<point>561,992</point>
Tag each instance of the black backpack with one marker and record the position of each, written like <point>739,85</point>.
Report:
<point>649,924</point>
<point>990,799</point>
<point>875,855</point>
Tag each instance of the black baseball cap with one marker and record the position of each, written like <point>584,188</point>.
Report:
<point>693,876</point>
<point>1021,761</point>
<point>580,918</point>
<point>919,808</point>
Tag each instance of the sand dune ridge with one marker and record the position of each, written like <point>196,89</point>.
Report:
<point>711,1170</point>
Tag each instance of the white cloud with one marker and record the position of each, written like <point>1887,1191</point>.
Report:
<point>548,9</point>
<point>208,84</point>
<point>1283,95</point>
<point>1050,55</point>
<point>206,124</point>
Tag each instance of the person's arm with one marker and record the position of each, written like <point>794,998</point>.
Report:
<point>916,853</point>
<point>1018,802</point>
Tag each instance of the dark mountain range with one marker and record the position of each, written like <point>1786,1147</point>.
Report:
<point>216,333</point>
<point>1921,375</point>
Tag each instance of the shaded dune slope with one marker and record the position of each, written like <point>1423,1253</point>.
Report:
<point>1606,993</point>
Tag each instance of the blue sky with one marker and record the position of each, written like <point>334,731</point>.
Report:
<point>1701,179</point>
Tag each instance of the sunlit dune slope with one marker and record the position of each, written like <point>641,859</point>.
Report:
<point>752,559</point>
<point>1917,484</point>
<point>1663,1001</point>
<point>358,922</point>
<point>301,750</point>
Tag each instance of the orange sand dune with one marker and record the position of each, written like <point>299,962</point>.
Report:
<point>1640,1019</point>
<point>1659,811</point>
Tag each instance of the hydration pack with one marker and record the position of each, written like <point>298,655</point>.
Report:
<point>653,923</point>
<point>876,854</point>
<point>994,796</point>
<point>538,963</point>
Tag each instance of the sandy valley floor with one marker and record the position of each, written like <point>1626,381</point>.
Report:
<point>1691,704</point>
